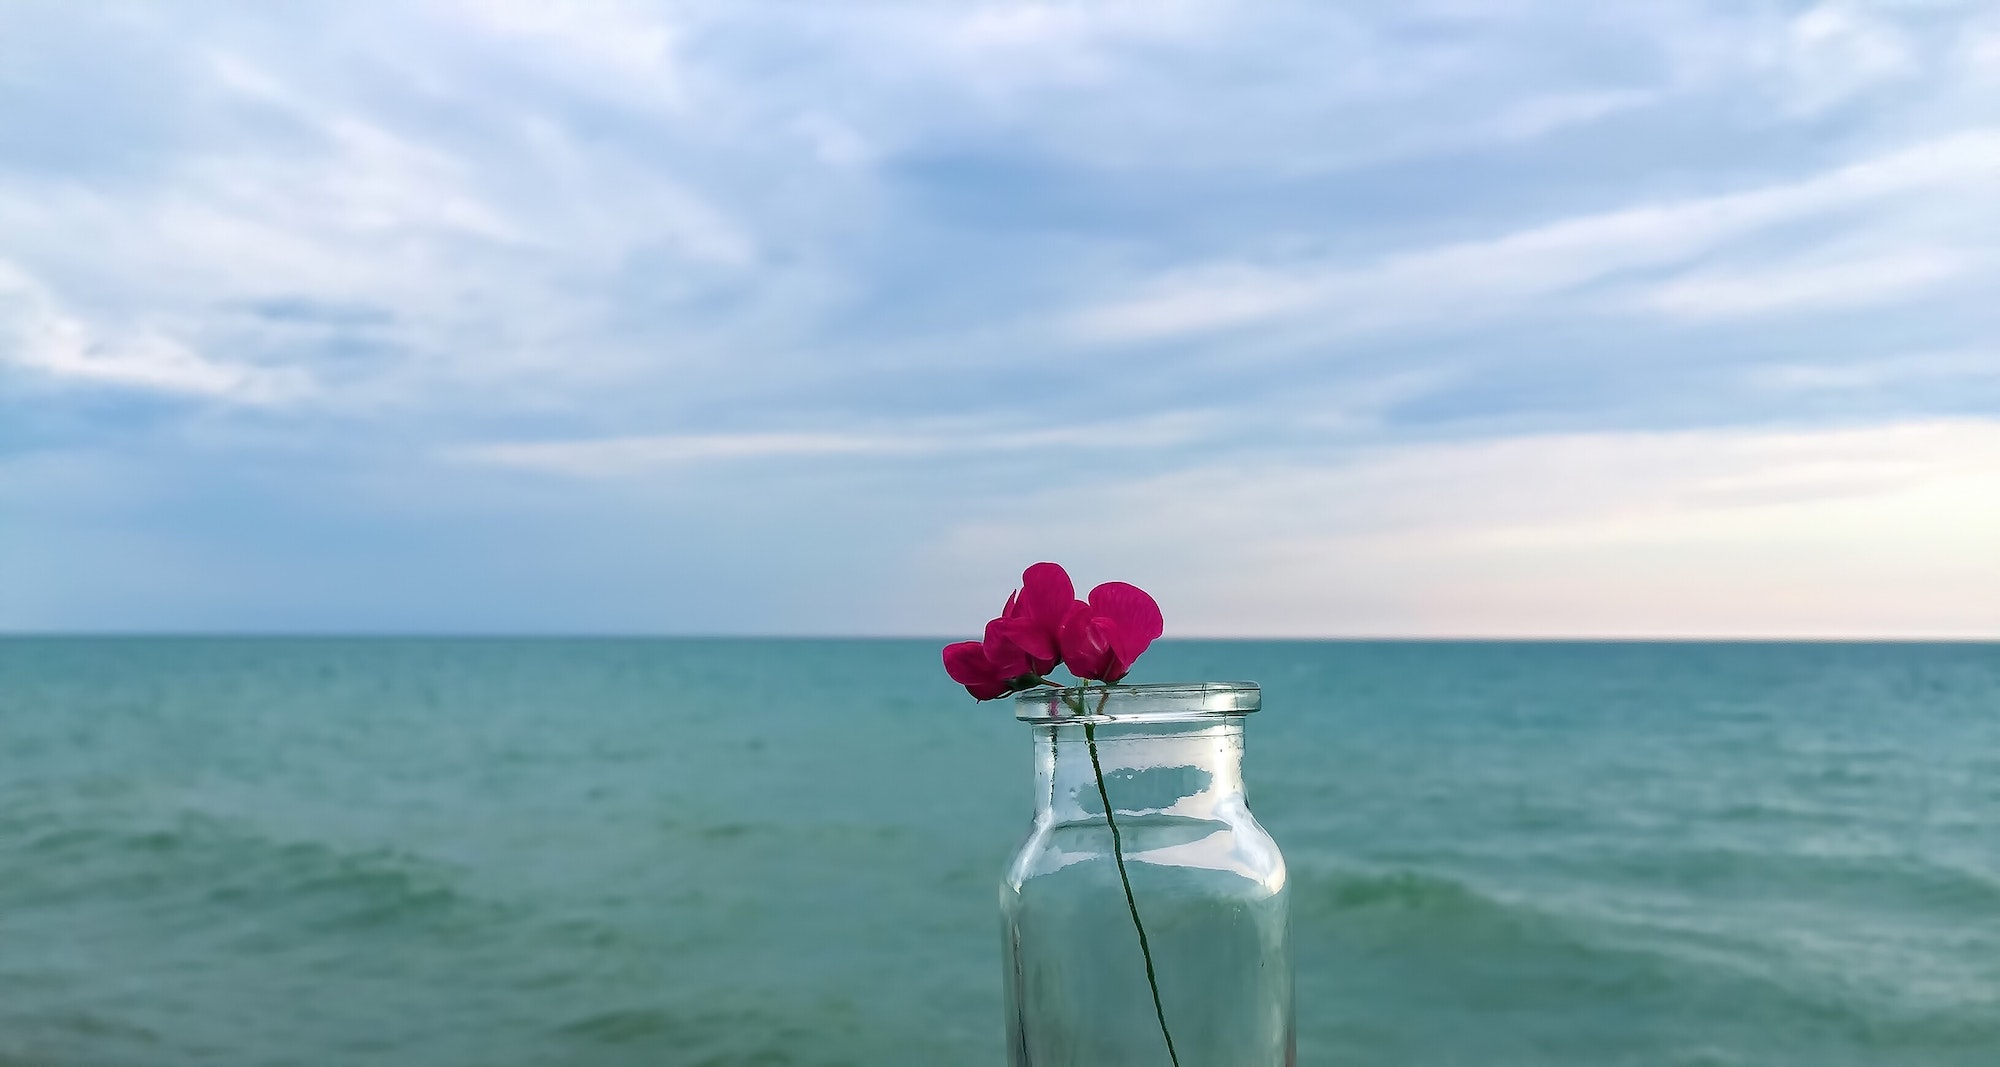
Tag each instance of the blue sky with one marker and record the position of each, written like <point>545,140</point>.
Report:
<point>1486,318</point>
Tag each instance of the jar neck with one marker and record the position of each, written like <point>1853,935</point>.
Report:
<point>1183,768</point>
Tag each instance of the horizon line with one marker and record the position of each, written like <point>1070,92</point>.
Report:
<point>1359,638</point>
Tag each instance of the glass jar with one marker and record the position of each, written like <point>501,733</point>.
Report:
<point>1145,918</point>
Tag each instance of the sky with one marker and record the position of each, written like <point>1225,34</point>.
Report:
<point>1499,318</point>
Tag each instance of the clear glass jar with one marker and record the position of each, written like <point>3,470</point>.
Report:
<point>1165,920</point>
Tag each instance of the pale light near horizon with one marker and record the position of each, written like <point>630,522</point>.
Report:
<point>1888,532</point>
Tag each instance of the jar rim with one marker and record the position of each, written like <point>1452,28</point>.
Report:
<point>1152,702</point>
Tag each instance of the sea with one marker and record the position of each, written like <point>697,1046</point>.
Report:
<point>663,852</point>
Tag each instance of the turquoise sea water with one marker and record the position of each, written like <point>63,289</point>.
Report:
<point>437,853</point>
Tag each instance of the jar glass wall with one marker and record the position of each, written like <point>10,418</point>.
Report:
<point>1179,859</point>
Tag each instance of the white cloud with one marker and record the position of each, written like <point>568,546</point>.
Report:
<point>612,456</point>
<point>364,215</point>
<point>833,141</point>
<point>1540,115</point>
<point>482,264</point>
<point>629,45</point>
<point>636,455</point>
<point>1006,46</point>
<point>1860,532</point>
<point>1500,274</point>
<point>38,334</point>
<point>1978,52</point>
<point>1833,52</point>
<point>1854,282</point>
<point>1877,373</point>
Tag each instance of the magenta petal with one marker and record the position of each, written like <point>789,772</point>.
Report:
<point>1038,642</point>
<point>967,664</point>
<point>1132,620</point>
<point>1006,656</point>
<point>1086,645</point>
<point>1046,594</point>
<point>1129,608</point>
<point>1116,669</point>
<point>1106,666</point>
<point>1125,649</point>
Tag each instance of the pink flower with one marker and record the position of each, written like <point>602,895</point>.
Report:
<point>1025,639</point>
<point>1043,625</point>
<point>967,664</point>
<point>1100,639</point>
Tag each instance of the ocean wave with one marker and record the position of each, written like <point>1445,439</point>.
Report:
<point>70,1027</point>
<point>712,1037</point>
<point>1889,882</point>
<point>1422,915</point>
<point>1331,895</point>
<point>197,864</point>
<point>1429,931</point>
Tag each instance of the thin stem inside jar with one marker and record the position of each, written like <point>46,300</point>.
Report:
<point>1118,854</point>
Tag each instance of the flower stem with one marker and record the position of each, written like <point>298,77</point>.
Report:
<point>1131,903</point>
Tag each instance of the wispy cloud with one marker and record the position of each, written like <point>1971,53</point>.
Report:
<point>1853,282</point>
<point>1835,51</point>
<point>37,334</point>
<point>1877,373</point>
<point>624,48</point>
<point>636,455</point>
<point>1505,273</point>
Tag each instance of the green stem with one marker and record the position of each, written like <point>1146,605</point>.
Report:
<point>1131,902</point>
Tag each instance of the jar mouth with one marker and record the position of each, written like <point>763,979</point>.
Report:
<point>1159,702</point>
